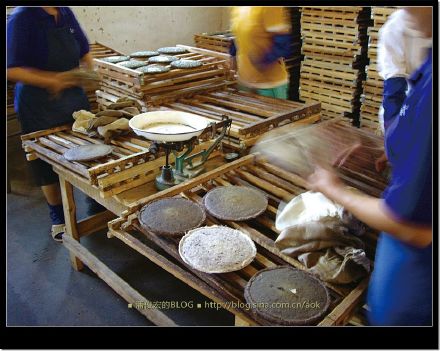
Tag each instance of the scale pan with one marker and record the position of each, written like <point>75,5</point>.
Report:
<point>168,126</point>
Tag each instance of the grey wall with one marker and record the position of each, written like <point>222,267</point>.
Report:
<point>133,28</point>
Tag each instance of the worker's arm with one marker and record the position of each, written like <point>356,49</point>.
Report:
<point>372,211</point>
<point>87,61</point>
<point>52,81</point>
<point>392,67</point>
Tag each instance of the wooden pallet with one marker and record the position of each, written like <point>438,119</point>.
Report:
<point>279,185</point>
<point>335,48</point>
<point>130,165</point>
<point>99,50</point>
<point>252,115</point>
<point>158,88</point>
<point>373,85</point>
<point>220,41</point>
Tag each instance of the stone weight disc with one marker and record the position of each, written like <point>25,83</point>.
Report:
<point>172,216</point>
<point>217,249</point>
<point>235,203</point>
<point>186,64</point>
<point>286,296</point>
<point>88,152</point>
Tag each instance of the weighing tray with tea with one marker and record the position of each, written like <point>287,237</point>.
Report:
<point>171,217</point>
<point>217,249</point>
<point>286,296</point>
<point>88,152</point>
<point>235,203</point>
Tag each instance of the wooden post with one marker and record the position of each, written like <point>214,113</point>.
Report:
<point>240,322</point>
<point>70,218</point>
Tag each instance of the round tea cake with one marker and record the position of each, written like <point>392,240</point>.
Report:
<point>172,216</point>
<point>217,249</point>
<point>162,59</point>
<point>115,59</point>
<point>153,69</point>
<point>186,64</point>
<point>132,64</point>
<point>171,50</point>
<point>286,296</point>
<point>235,203</point>
<point>88,152</point>
<point>146,53</point>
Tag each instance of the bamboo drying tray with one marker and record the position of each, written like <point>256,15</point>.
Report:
<point>373,85</point>
<point>335,49</point>
<point>279,185</point>
<point>252,115</point>
<point>130,165</point>
<point>219,41</point>
<point>154,89</point>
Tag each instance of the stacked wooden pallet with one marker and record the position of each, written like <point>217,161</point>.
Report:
<point>373,85</point>
<point>252,115</point>
<point>154,89</point>
<point>219,41</point>
<point>98,50</point>
<point>279,186</point>
<point>335,54</point>
<point>131,164</point>
<point>293,63</point>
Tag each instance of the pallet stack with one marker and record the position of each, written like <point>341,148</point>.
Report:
<point>98,50</point>
<point>154,89</point>
<point>373,85</point>
<point>219,41</point>
<point>293,63</point>
<point>335,55</point>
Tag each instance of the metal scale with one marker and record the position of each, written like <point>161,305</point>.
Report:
<point>186,166</point>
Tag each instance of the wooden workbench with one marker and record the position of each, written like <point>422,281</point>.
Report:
<point>115,205</point>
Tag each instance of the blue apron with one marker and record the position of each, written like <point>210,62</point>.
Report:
<point>37,109</point>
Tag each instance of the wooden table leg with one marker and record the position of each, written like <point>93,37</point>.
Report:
<point>70,218</point>
<point>241,322</point>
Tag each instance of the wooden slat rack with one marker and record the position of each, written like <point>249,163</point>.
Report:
<point>252,115</point>
<point>219,41</point>
<point>131,164</point>
<point>371,98</point>
<point>335,49</point>
<point>155,89</point>
<point>279,185</point>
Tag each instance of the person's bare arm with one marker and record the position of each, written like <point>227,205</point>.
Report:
<point>52,81</point>
<point>372,211</point>
<point>87,61</point>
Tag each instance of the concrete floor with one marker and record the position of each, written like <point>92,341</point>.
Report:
<point>43,289</point>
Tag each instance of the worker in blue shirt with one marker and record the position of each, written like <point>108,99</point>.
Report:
<point>400,291</point>
<point>43,42</point>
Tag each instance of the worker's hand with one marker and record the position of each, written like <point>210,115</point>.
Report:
<point>59,82</point>
<point>323,180</point>
<point>381,163</point>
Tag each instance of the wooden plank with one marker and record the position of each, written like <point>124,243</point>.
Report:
<point>190,183</point>
<point>94,223</point>
<point>343,312</point>
<point>40,133</point>
<point>121,287</point>
<point>71,231</point>
<point>305,111</point>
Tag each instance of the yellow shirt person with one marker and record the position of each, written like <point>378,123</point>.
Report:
<point>262,40</point>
